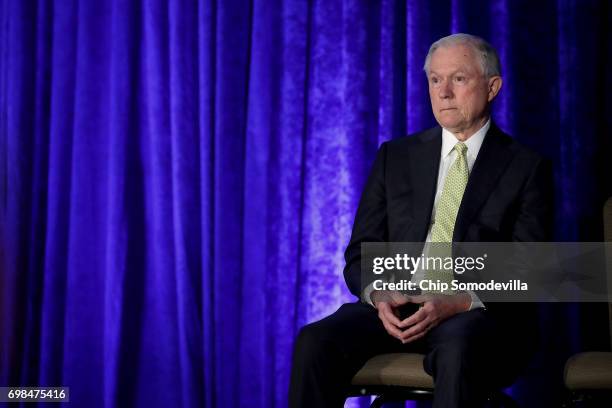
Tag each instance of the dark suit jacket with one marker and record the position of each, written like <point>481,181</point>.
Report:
<point>508,196</point>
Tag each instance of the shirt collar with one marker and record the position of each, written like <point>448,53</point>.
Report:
<point>473,143</point>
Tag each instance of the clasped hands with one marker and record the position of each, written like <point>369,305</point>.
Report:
<point>435,309</point>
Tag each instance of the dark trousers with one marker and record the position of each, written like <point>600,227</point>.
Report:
<point>467,355</point>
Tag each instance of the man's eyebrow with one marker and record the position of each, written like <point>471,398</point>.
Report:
<point>458,71</point>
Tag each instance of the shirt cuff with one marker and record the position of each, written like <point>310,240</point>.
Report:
<point>365,295</point>
<point>476,302</point>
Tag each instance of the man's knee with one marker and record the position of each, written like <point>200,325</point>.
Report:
<point>461,349</point>
<point>311,343</point>
<point>473,324</point>
<point>453,357</point>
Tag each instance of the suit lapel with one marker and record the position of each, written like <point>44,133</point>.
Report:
<point>424,163</point>
<point>492,159</point>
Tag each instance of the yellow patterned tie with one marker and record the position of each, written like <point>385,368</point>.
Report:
<point>446,215</point>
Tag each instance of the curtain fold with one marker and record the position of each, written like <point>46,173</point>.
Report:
<point>178,180</point>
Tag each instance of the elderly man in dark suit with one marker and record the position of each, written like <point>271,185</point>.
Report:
<point>464,181</point>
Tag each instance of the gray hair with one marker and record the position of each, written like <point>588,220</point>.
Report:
<point>489,60</point>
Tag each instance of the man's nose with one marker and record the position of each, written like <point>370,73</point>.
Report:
<point>445,90</point>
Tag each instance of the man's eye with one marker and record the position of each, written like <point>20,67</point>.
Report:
<point>434,80</point>
<point>460,79</point>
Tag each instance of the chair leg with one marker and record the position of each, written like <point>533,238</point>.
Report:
<point>569,399</point>
<point>587,399</point>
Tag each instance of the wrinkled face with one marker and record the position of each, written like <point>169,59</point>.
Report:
<point>460,94</point>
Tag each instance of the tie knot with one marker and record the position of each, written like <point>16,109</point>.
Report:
<point>460,148</point>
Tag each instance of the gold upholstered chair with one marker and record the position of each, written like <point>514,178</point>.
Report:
<point>400,377</point>
<point>588,375</point>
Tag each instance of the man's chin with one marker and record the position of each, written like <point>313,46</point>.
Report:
<point>449,124</point>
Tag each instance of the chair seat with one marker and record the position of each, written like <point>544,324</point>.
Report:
<point>396,369</point>
<point>589,371</point>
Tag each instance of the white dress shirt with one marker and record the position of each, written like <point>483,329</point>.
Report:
<point>447,157</point>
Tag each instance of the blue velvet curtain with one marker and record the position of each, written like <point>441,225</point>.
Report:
<point>178,179</point>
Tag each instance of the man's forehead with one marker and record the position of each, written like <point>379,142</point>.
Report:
<point>453,58</point>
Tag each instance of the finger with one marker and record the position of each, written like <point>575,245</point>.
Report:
<point>416,329</point>
<point>387,312</point>
<point>414,338</point>
<point>414,318</point>
<point>392,330</point>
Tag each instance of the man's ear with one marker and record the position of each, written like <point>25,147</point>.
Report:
<point>495,84</point>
